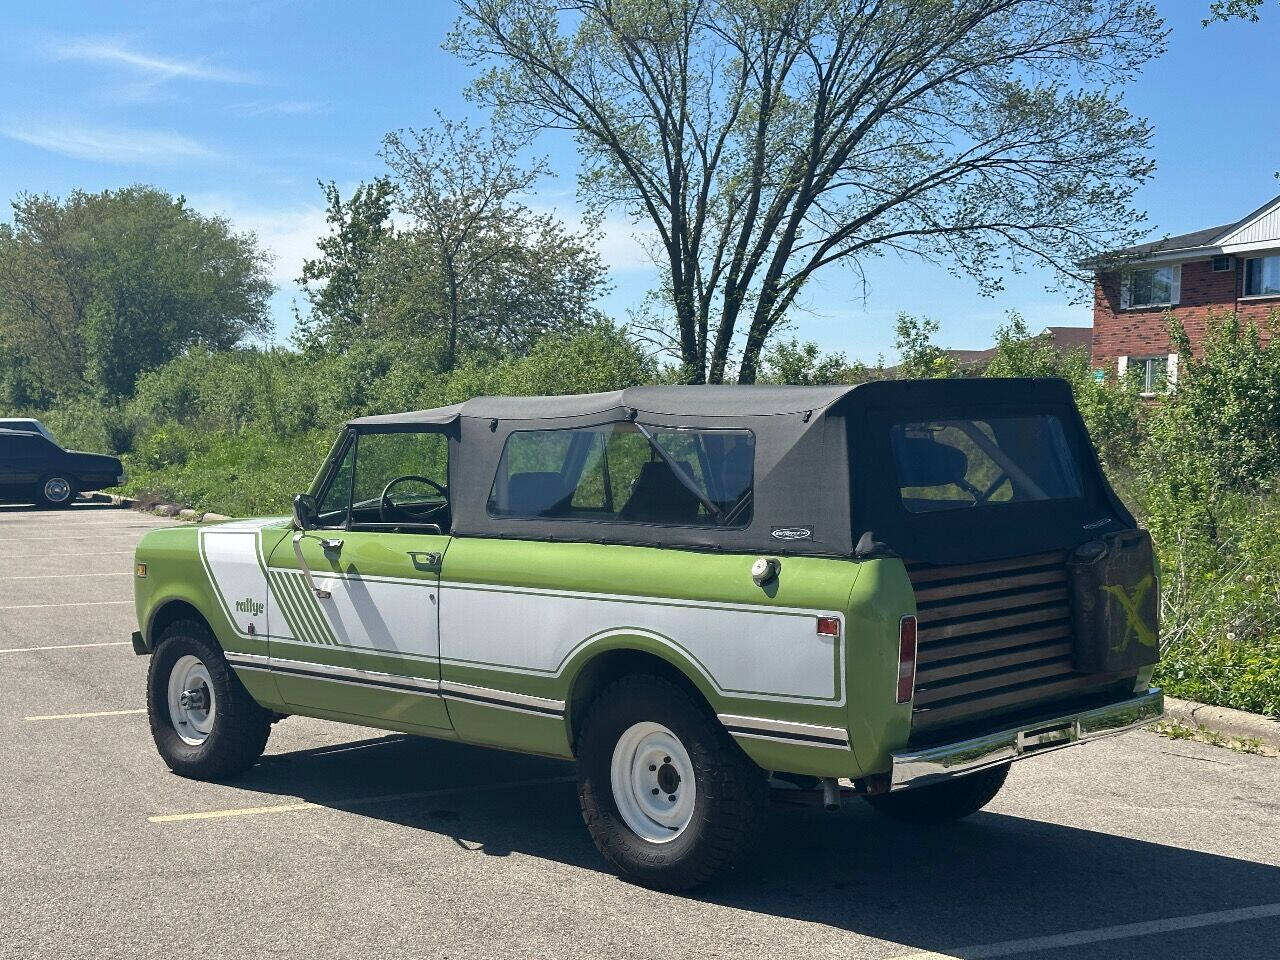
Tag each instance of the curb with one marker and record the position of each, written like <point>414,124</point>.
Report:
<point>1225,721</point>
<point>157,508</point>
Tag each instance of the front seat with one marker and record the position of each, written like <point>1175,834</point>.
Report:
<point>659,497</point>
<point>534,494</point>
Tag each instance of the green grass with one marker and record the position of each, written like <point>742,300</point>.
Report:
<point>1244,675</point>
<point>241,475</point>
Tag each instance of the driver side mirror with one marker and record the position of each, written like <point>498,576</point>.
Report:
<point>304,511</point>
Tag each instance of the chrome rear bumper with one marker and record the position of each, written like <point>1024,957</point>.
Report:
<point>914,768</point>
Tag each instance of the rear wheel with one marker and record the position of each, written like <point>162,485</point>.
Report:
<point>668,797</point>
<point>204,723</point>
<point>56,490</point>
<point>942,802</point>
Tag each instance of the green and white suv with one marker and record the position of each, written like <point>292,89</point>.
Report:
<point>893,590</point>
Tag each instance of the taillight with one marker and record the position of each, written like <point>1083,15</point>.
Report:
<point>906,658</point>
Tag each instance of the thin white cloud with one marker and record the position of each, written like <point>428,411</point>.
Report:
<point>282,108</point>
<point>623,245</point>
<point>288,233</point>
<point>110,145</point>
<point>113,52</point>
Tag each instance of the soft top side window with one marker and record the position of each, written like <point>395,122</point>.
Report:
<point>627,473</point>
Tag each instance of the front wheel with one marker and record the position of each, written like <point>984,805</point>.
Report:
<point>668,797</point>
<point>204,723</point>
<point>942,802</point>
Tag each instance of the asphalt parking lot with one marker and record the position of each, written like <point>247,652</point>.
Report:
<point>348,842</point>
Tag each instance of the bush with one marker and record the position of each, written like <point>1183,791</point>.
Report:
<point>247,473</point>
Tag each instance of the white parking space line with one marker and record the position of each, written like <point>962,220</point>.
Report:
<point>85,716</point>
<point>73,576</point>
<point>46,523</point>
<point>80,603</point>
<point>354,802</point>
<point>67,646</point>
<point>44,556</point>
<point>1121,931</point>
<point>96,536</point>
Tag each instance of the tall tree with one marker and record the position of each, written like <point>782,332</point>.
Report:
<point>337,282</point>
<point>466,263</point>
<point>100,287</point>
<point>766,139</point>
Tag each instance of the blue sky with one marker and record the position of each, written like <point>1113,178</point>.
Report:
<point>242,105</point>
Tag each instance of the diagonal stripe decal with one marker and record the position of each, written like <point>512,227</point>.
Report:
<point>312,607</point>
<point>298,615</point>
<point>288,609</point>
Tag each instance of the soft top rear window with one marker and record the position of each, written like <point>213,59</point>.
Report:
<point>956,464</point>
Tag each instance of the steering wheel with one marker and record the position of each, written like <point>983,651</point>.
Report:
<point>385,503</point>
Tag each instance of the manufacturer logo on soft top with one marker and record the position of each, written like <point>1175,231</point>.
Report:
<point>791,533</point>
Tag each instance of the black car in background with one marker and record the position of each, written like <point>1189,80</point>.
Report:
<point>34,469</point>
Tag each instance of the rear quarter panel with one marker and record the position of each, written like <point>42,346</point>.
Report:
<point>528,617</point>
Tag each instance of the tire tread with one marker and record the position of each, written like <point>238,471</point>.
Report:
<point>242,726</point>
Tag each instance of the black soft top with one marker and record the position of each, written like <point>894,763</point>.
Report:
<point>823,465</point>
<point>705,401</point>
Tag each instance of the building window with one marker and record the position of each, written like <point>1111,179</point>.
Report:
<point>1151,374</point>
<point>1153,287</point>
<point>1262,276</point>
<point>1221,264</point>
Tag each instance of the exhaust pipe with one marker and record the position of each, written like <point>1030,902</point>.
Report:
<point>830,793</point>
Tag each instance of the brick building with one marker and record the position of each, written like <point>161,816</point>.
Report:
<point>1233,267</point>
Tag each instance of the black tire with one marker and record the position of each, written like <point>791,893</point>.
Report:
<point>52,481</point>
<point>239,727</point>
<point>731,791</point>
<point>942,802</point>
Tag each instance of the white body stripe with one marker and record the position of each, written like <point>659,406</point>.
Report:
<point>738,648</point>
<point>744,651</point>
<point>231,559</point>
<point>382,616</point>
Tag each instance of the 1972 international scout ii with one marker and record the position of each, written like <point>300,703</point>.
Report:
<point>905,585</point>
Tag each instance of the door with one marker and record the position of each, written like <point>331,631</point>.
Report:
<point>355,632</point>
<point>30,457</point>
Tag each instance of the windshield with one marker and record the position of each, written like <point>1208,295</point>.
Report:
<point>953,464</point>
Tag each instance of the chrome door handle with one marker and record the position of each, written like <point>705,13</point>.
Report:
<point>332,544</point>
<point>302,563</point>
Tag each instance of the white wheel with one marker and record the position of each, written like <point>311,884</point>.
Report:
<point>192,704</point>
<point>653,782</point>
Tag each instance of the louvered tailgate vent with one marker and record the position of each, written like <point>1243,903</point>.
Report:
<point>992,636</point>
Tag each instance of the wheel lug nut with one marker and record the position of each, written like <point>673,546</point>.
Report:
<point>666,759</point>
<point>652,768</point>
<point>672,798</point>
<point>655,791</point>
